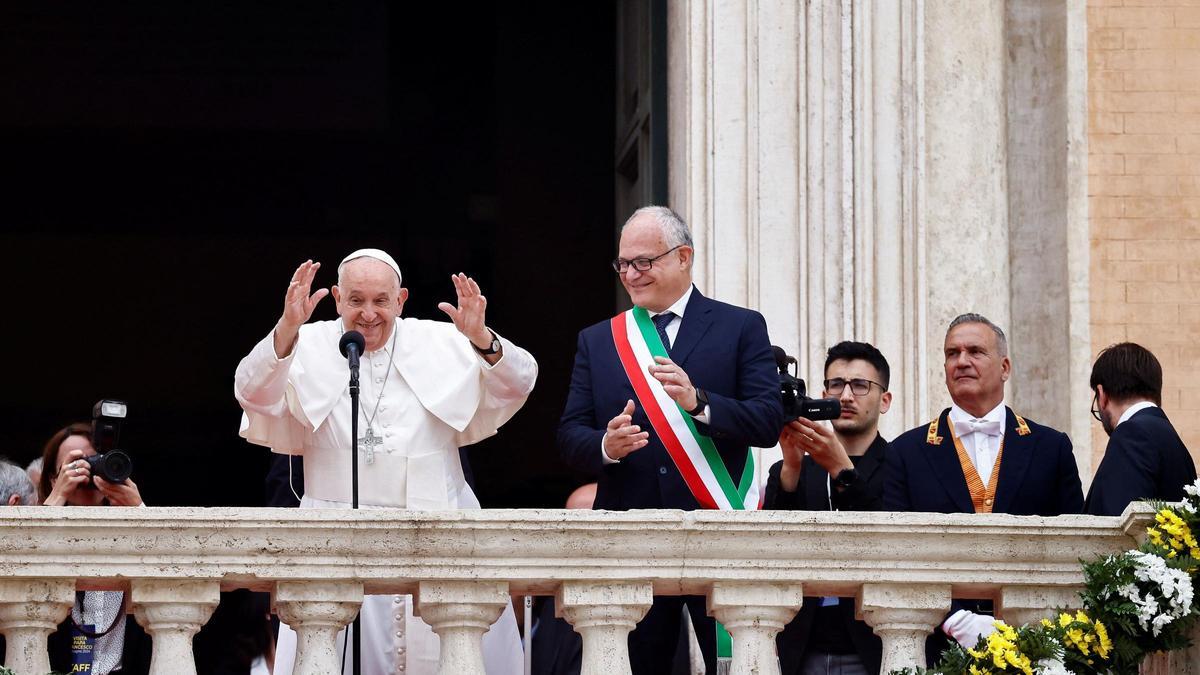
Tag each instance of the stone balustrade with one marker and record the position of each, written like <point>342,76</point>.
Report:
<point>603,567</point>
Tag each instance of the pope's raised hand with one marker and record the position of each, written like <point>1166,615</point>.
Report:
<point>469,316</point>
<point>298,305</point>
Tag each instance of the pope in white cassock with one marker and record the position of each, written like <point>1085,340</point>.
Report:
<point>426,388</point>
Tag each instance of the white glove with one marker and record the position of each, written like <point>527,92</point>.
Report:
<point>967,627</point>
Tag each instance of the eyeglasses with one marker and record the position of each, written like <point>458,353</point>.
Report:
<point>1096,407</point>
<point>621,265</point>
<point>858,386</point>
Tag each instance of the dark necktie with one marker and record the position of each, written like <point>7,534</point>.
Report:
<point>660,322</point>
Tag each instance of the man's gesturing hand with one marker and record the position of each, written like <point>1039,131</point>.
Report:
<point>298,306</point>
<point>675,381</point>
<point>622,436</point>
<point>469,317</point>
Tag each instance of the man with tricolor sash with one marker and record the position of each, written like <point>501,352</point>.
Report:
<point>978,456</point>
<point>666,400</point>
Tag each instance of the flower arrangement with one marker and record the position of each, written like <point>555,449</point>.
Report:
<point>1139,602</point>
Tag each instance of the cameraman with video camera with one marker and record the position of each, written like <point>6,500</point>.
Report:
<point>838,469</point>
<point>82,467</point>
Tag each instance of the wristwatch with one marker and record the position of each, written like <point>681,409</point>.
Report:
<point>846,478</point>
<point>701,403</point>
<point>493,348</point>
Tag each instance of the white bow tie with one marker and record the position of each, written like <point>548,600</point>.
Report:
<point>985,427</point>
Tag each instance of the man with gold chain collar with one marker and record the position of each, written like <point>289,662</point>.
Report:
<point>979,456</point>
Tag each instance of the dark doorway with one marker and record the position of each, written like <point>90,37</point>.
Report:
<point>167,165</point>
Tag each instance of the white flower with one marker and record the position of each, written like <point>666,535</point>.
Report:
<point>1051,667</point>
<point>1193,489</point>
<point>1170,600</point>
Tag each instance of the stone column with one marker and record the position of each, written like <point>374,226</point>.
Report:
<point>317,610</point>
<point>1020,605</point>
<point>902,616</point>
<point>604,614</point>
<point>857,169</point>
<point>30,609</point>
<point>754,613</point>
<point>460,612</point>
<point>172,611</point>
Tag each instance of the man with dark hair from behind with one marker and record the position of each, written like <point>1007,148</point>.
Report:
<point>834,470</point>
<point>1145,458</point>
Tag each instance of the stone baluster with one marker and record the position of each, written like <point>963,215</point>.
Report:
<point>460,612</point>
<point>172,611</point>
<point>317,610</point>
<point>604,613</point>
<point>754,613</point>
<point>30,609</point>
<point>1020,605</point>
<point>902,616</point>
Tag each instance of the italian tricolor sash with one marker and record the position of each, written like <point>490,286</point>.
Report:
<point>694,454</point>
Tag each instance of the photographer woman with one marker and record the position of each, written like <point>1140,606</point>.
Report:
<point>99,632</point>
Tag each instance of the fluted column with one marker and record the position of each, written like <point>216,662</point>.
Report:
<point>604,614</point>
<point>754,613</point>
<point>460,612</point>
<point>1020,605</point>
<point>29,610</point>
<point>902,616</point>
<point>317,610</point>
<point>172,611</point>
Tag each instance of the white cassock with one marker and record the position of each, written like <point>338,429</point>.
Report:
<point>438,395</point>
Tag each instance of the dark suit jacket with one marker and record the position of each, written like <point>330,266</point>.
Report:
<point>725,351</point>
<point>812,494</point>
<point>1145,459</point>
<point>1038,475</point>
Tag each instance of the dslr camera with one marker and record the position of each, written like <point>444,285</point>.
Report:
<point>109,463</point>
<point>796,402</point>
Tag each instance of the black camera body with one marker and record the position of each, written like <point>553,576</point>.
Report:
<point>109,463</point>
<point>796,402</point>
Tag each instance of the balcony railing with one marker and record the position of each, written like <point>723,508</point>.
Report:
<point>603,568</point>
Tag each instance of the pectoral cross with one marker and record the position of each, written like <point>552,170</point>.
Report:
<point>368,443</point>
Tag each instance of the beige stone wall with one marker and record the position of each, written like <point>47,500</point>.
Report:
<point>1144,191</point>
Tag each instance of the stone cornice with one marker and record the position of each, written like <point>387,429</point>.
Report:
<point>392,550</point>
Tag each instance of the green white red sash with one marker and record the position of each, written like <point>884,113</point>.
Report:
<point>694,454</point>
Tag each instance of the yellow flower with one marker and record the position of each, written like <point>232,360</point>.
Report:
<point>1105,643</point>
<point>1064,619</point>
<point>1076,639</point>
<point>1047,623</point>
<point>1155,536</point>
<point>1081,617</point>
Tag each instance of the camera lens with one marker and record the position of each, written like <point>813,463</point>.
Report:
<point>113,467</point>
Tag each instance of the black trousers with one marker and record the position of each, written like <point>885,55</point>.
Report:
<point>658,645</point>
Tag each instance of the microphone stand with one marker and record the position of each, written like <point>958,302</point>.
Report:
<point>356,645</point>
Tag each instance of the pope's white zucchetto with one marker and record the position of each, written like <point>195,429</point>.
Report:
<point>376,254</point>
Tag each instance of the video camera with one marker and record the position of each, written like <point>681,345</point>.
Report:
<point>109,463</point>
<point>796,402</point>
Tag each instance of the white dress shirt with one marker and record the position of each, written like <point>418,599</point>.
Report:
<point>981,447</point>
<point>1133,410</point>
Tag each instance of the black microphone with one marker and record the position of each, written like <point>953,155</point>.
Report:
<point>351,346</point>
